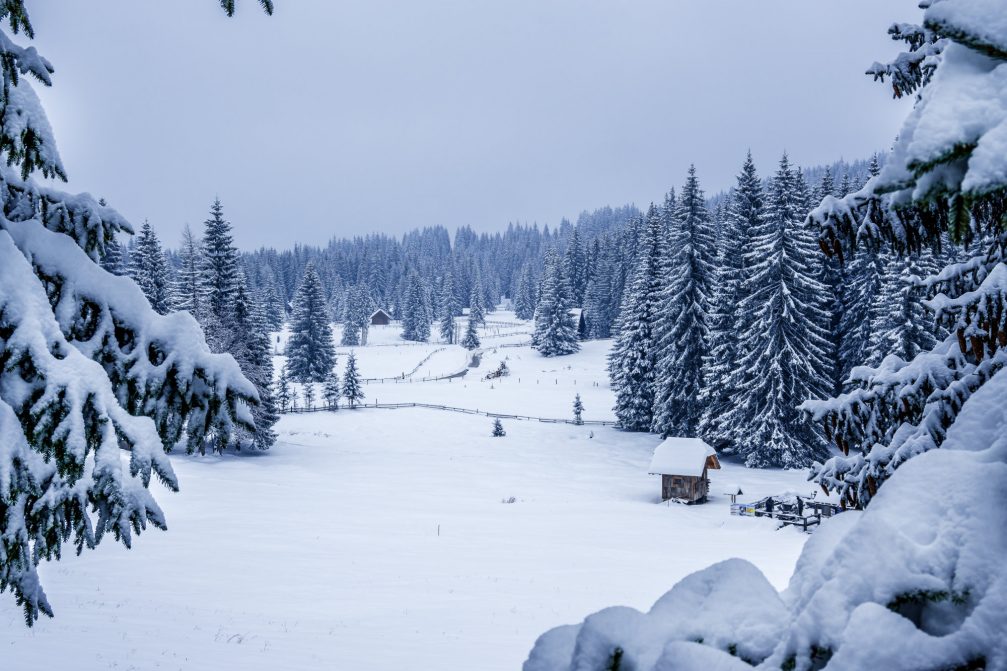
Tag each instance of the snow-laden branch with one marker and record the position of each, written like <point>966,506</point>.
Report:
<point>159,365</point>
<point>74,485</point>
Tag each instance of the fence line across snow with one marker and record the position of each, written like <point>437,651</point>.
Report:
<point>467,411</point>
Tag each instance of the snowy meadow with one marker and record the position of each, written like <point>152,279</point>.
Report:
<point>410,538</point>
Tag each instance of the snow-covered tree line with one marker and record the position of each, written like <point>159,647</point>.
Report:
<point>917,579</point>
<point>426,274</point>
<point>731,316</point>
<point>96,385</point>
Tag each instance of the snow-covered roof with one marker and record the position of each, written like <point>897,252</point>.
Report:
<point>681,456</point>
<point>381,311</point>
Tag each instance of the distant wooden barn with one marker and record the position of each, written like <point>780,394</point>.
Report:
<point>683,464</point>
<point>380,318</point>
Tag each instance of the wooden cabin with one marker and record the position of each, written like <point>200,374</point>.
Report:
<point>683,464</point>
<point>380,318</point>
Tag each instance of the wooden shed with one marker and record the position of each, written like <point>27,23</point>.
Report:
<point>380,318</point>
<point>682,464</point>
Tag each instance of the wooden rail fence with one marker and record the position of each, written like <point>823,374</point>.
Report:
<point>448,408</point>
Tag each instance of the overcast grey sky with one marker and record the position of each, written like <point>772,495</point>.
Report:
<point>339,117</point>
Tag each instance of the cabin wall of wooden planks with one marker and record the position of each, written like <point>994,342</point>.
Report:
<point>685,487</point>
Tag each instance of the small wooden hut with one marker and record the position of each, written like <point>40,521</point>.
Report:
<point>380,318</point>
<point>682,464</point>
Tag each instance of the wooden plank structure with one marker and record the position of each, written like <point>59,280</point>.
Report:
<point>380,318</point>
<point>683,464</point>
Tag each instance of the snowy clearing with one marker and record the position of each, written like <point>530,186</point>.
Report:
<point>381,539</point>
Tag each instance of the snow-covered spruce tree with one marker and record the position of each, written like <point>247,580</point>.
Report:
<point>900,323</point>
<point>578,410</point>
<point>331,392</point>
<point>555,328</point>
<point>250,347</point>
<point>353,390</point>
<point>784,344</point>
<point>470,340</point>
<point>308,390</point>
<point>86,366</point>
<point>149,269</point>
<point>684,314</point>
<point>745,213</point>
<point>359,308</point>
<point>944,176</point>
<point>524,298</point>
<point>576,268</point>
<point>448,308</point>
<point>417,312</point>
<point>860,310</point>
<point>498,429</point>
<point>112,258</point>
<point>832,275</point>
<point>272,306</point>
<point>632,363</point>
<point>219,276</point>
<point>310,353</point>
<point>477,300</point>
<point>599,305</point>
<point>284,392</point>
<point>189,289</point>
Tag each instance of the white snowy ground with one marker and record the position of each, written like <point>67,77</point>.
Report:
<point>379,539</point>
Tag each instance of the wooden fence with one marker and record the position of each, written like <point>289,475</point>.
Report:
<point>402,377</point>
<point>448,408</point>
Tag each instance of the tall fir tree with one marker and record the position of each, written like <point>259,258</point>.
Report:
<point>784,345</point>
<point>477,299</point>
<point>112,260</point>
<point>833,277</point>
<point>417,313</point>
<point>190,290</point>
<point>470,340</point>
<point>684,315</point>
<point>901,325</point>
<point>250,347</point>
<point>744,214</point>
<point>448,308</point>
<point>310,353</point>
<point>576,268</point>
<point>632,363</point>
<point>219,277</point>
<point>555,328</point>
<point>599,297</point>
<point>524,298</point>
<point>149,269</point>
<point>359,308</point>
<point>272,306</point>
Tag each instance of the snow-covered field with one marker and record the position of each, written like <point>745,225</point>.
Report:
<point>383,539</point>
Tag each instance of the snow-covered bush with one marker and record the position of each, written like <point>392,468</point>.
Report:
<point>916,581</point>
<point>95,386</point>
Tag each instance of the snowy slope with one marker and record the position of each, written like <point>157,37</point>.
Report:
<point>325,553</point>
